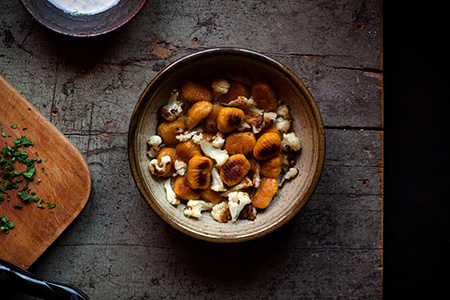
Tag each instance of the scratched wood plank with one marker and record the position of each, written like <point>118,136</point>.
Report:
<point>335,231</point>
<point>65,183</point>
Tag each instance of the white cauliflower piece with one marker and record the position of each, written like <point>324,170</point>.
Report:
<point>153,143</point>
<point>282,124</point>
<point>218,140</point>
<point>243,127</point>
<point>218,155</point>
<point>170,194</point>
<point>197,137</point>
<point>180,167</point>
<point>195,134</point>
<point>252,110</point>
<point>184,136</point>
<point>220,86</point>
<point>160,168</point>
<point>217,183</point>
<point>283,111</point>
<point>291,173</point>
<point>173,108</point>
<point>194,208</point>
<point>220,212</point>
<point>245,183</point>
<point>256,122</point>
<point>242,101</point>
<point>236,202</point>
<point>290,142</point>
<point>256,180</point>
<point>270,118</point>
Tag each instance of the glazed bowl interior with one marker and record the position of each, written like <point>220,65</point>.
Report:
<point>307,124</point>
<point>87,25</point>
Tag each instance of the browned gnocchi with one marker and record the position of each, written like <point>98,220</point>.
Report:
<point>227,145</point>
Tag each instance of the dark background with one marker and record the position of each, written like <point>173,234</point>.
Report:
<point>417,158</point>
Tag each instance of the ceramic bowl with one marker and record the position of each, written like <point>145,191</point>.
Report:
<point>83,25</point>
<point>307,124</point>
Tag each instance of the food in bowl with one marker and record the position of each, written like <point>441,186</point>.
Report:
<point>84,7</point>
<point>224,145</point>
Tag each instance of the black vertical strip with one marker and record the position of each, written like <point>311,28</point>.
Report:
<point>417,158</point>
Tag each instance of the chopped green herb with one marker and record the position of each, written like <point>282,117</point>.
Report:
<point>24,141</point>
<point>14,126</point>
<point>11,175</point>
<point>24,196</point>
<point>5,224</point>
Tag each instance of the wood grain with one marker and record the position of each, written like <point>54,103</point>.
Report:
<point>65,181</point>
<point>118,248</point>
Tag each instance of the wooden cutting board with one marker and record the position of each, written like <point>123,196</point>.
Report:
<point>65,181</point>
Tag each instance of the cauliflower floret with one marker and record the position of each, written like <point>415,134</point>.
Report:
<point>217,183</point>
<point>252,110</point>
<point>218,140</point>
<point>243,127</point>
<point>194,208</point>
<point>290,142</point>
<point>153,143</point>
<point>257,123</point>
<point>220,212</point>
<point>184,136</point>
<point>170,194</point>
<point>220,86</point>
<point>269,118</point>
<point>245,183</point>
<point>256,180</point>
<point>218,155</point>
<point>180,167</point>
<point>236,202</point>
<point>195,134</point>
<point>282,124</point>
<point>197,137</point>
<point>160,168</point>
<point>291,173</point>
<point>241,101</point>
<point>283,111</point>
<point>173,108</point>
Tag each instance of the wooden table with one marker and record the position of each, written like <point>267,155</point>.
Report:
<point>118,248</point>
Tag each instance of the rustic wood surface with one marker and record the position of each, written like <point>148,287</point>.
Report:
<point>117,248</point>
<point>62,178</point>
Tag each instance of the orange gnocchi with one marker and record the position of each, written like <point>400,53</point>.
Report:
<point>229,148</point>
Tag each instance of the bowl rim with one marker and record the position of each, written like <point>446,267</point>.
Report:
<point>165,73</point>
<point>48,25</point>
